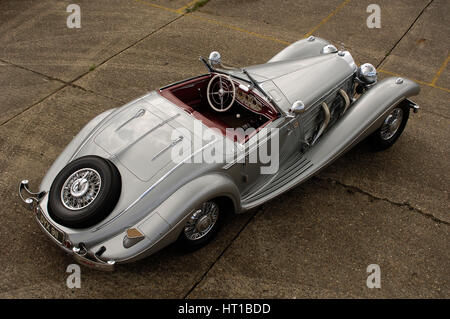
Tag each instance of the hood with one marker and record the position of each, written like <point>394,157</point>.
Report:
<point>306,79</point>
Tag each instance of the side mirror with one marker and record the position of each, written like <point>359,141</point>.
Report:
<point>297,108</point>
<point>215,58</point>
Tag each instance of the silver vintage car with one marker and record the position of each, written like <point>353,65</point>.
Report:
<point>136,178</point>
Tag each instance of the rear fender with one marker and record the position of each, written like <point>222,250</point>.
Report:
<point>194,193</point>
<point>173,213</point>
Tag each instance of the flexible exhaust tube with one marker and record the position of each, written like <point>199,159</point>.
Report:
<point>346,98</point>
<point>324,123</point>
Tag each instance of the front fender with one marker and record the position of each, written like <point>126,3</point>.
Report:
<point>302,49</point>
<point>363,118</point>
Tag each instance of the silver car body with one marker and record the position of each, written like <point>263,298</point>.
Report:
<point>158,195</point>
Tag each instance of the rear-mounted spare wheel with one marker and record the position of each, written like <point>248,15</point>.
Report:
<point>84,192</point>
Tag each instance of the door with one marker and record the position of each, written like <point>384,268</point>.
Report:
<point>266,153</point>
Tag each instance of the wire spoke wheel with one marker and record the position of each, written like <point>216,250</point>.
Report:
<point>81,188</point>
<point>391,128</point>
<point>84,192</point>
<point>391,124</point>
<point>202,221</point>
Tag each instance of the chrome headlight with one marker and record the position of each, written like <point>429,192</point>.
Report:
<point>329,48</point>
<point>367,73</point>
<point>215,58</point>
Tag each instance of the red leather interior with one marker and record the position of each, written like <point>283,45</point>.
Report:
<point>188,95</point>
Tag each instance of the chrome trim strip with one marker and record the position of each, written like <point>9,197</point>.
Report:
<point>181,81</point>
<point>139,113</point>
<point>147,133</point>
<point>172,144</point>
<point>99,126</point>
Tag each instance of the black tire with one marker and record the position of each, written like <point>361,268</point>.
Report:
<point>103,203</point>
<point>190,245</point>
<point>377,142</point>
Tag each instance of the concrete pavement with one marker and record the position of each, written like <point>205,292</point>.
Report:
<point>389,208</point>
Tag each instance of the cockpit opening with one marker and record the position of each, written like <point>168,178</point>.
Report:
<point>218,103</point>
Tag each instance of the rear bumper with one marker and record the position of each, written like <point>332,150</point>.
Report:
<point>80,254</point>
<point>94,264</point>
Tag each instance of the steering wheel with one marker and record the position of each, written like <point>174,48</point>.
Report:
<point>221,92</point>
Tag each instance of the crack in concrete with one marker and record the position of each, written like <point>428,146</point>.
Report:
<point>96,93</point>
<point>71,83</point>
<point>385,199</point>
<point>223,252</point>
<point>404,34</point>
<point>36,103</point>
<point>51,78</point>
<point>48,77</point>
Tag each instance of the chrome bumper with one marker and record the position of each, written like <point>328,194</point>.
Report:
<point>413,105</point>
<point>80,254</point>
<point>32,198</point>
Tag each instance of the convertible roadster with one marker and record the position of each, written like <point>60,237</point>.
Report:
<point>116,194</point>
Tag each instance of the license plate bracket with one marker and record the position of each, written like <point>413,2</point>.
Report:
<point>58,235</point>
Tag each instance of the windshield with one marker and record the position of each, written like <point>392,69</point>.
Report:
<point>242,75</point>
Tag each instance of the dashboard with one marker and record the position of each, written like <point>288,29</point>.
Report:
<point>249,101</point>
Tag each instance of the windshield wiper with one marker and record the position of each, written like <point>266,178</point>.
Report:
<point>256,85</point>
<point>206,64</point>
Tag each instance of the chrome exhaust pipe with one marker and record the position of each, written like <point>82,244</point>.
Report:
<point>324,123</point>
<point>346,98</point>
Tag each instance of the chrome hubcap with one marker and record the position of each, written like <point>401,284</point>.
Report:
<point>391,124</point>
<point>80,189</point>
<point>202,221</point>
